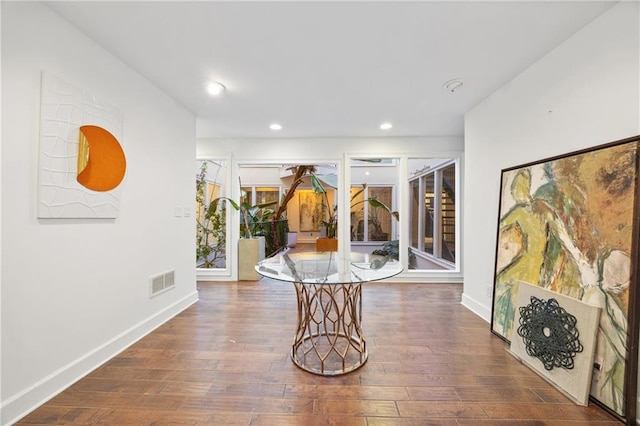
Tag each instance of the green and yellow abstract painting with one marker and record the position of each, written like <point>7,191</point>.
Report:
<point>567,225</point>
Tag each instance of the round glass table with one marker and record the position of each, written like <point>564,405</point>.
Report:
<point>328,339</point>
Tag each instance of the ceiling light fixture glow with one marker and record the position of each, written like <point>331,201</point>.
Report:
<point>214,88</point>
<point>386,126</point>
<point>275,126</point>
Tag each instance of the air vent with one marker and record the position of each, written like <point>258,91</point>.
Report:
<point>157,284</point>
<point>161,283</point>
<point>169,279</point>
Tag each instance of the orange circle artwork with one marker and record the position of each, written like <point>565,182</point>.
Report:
<point>101,160</point>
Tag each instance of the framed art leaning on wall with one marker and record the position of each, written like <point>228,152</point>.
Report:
<point>569,224</point>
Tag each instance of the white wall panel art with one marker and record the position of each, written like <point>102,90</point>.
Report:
<point>64,110</point>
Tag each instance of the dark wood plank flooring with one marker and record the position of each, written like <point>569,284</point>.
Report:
<point>225,361</point>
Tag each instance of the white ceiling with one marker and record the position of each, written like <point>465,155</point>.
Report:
<point>329,69</point>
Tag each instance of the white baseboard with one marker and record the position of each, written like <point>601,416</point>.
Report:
<point>21,404</point>
<point>213,274</point>
<point>479,309</point>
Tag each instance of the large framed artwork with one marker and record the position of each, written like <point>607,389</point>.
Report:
<point>569,224</point>
<point>311,210</point>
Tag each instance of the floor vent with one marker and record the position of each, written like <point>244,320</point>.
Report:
<point>161,283</point>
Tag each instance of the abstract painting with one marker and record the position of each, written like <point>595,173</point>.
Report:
<point>555,336</point>
<point>567,224</point>
<point>81,162</point>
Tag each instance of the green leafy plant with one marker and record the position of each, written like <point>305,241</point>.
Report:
<point>254,217</point>
<point>211,222</point>
<point>392,250</point>
<point>211,235</point>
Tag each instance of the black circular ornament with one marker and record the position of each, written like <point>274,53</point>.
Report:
<point>549,333</point>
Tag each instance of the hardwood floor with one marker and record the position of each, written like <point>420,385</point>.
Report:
<point>225,361</point>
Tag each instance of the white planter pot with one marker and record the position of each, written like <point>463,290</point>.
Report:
<point>250,252</point>
<point>292,239</point>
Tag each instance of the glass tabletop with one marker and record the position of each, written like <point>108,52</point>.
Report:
<point>328,267</point>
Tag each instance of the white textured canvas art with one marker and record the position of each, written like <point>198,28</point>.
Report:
<point>555,335</point>
<point>64,108</point>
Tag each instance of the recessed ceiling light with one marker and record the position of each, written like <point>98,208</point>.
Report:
<point>214,88</point>
<point>386,126</point>
<point>453,85</point>
<point>275,126</point>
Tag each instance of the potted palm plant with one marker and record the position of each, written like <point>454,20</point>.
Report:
<point>211,225</point>
<point>252,242</point>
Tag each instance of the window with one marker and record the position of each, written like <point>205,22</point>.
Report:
<point>428,213</point>
<point>415,229</point>
<point>256,195</point>
<point>368,222</point>
<point>211,225</point>
<point>246,195</point>
<point>210,192</point>
<point>448,212</point>
<point>433,213</point>
<point>267,194</point>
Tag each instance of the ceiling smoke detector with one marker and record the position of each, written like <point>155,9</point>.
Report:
<point>453,85</point>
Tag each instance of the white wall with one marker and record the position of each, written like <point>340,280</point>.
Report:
<point>583,93</point>
<point>76,292</point>
<point>329,150</point>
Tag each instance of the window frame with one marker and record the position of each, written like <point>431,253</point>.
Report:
<point>437,225</point>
